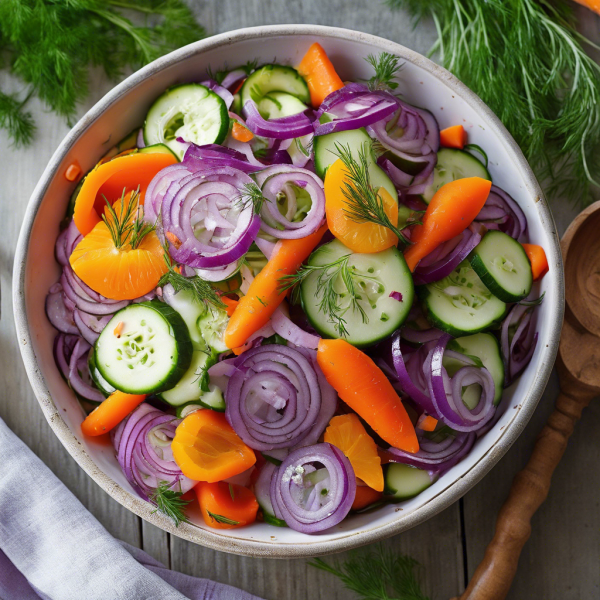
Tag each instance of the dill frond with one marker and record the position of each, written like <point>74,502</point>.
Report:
<point>170,503</point>
<point>15,120</point>
<point>386,67</point>
<point>222,519</point>
<point>252,195</point>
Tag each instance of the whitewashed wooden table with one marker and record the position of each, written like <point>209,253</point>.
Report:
<point>561,561</point>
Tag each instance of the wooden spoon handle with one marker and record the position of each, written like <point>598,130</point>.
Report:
<point>495,574</point>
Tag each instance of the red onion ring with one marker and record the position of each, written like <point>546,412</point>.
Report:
<point>518,350</point>
<point>314,511</point>
<point>274,398</point>
<point>66,242</point>
<point>198,158</point>
<point>276,180</point>
<point>59,315</point>
<point>291,332</point>
<point>158,187</point>
<point>500,211</point>
<point>63,350</point>
<point>280,129</point>
<point>233,78</point>
<point>81,387</point>
<point>221,91</point>
<point>140,143</point>
<point>143,446</point>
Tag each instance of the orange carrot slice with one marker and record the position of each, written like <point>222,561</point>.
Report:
<point>347,433</point>
<point>319,73</point>
<point>110,413</point>
<point>359,237</point>
<point>365,496</point>
<point>451,210</point>
<point>206,448</point>
<point>362,385</point>
<point>241,133</point>
<point>108,181</point>
<point>537,258</point>
<point>73,172</point>
<point>453,137</point>
<point>226,505</point>
<point>426,423</point>
<point>264,296</point>
<point>230,303</point>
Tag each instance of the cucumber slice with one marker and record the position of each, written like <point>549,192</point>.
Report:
<point>453,164</point>
<point>194,383</point>
<point>96,376</point>
<point>461,304</point>
<point>213,324</point>
<point>157,149</point>
<point>402,482</point>
<point>503,266</point>
<point>274,78</point>
<point>326,154</point>
<point>277,105</point>
<point>189,111</point>
<point>191,311</point>
<point>485,347</point>
<point>378,275</point>
<point>152,352</point>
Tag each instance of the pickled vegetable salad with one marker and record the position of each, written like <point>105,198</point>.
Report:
<point>296,282</point>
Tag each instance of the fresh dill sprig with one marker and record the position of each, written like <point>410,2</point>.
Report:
<point>170,503</point>
<point>363,203</point>
<point>328,278</point>
<point>126,224</point>
<point>201,290</point>
<point>525,59</point>
<point>51,45</point>
<point>252,194</point>
<point>222,519</point>
<point>377,574</point>
<point>386,67</point>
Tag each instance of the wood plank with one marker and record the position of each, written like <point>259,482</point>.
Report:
<point>436,544</point>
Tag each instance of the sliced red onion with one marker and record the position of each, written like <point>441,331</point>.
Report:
<point>500,211</point>
<point>262,487</point>
<point>79,361</point>
<point>445,393</point>
<point>219,273</point>
<point>232,79</point>
<point>291,332</point>
<point>143,446</point>
<point>158,187</point>
<point>209,218</point>
<point>74,292</point>
<point>66,242</point>
<point>411,184</point>
<point>436,456</point>
<point>221,91</point>
<point>313,488</point>
<point>140,143</point>
<point>265,246</point>
<point>58,314</point>
<point>442,261</point>
<point>63,349</point>
<point>518,340</point>
<point>280,129</point>
<point>88,335</point>
<point>396,296</point>
<point>198,158</point>
<point>273,399</point>
<point>280,179</point>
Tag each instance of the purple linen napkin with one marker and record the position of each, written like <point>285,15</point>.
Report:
<point>52,548</point>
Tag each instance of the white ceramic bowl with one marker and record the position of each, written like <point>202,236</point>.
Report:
<point>422,83</point>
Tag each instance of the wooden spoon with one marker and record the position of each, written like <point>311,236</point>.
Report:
<point>578,367</point>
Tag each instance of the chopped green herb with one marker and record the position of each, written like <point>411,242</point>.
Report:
<point>386,68</point>
<point>222,519</point>
<point>170,503</point>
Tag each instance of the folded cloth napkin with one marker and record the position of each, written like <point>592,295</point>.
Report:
<point>52,548</point>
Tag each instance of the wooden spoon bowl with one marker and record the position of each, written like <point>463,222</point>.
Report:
<point>578,367</point>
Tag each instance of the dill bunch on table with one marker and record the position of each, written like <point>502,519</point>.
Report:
<point>51,44</point>
<point>527,61</point>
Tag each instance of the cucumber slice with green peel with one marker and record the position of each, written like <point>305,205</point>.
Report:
<point>461,304</point>
<point>150,354</point>
<point>375,277</point>
<point>191,311</point>
<point>485,348</point>
<point>213,324</point>
<point>274,78</point>
<point>272,519</point>
<point>453,164</point>
<point>194,382</point>
<point>211,398</point>
<point>189,111</point>
<point>503,266</point>
<point>277,105</point>
<point>402,482</point>
<point>326,154</point>
<point>96,376</point>
<point>157,149</point>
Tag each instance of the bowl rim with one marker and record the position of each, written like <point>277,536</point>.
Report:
<point>243,545</point>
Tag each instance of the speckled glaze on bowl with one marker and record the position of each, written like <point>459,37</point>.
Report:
<point>422,83</point>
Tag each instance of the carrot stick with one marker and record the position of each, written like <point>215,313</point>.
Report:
<point>226,505</point>
<point>230,303</point>
<point>538,260</point>
<point>362,385</point>
<point>264,296</point>
<point>241,133</point>
<point>319,73</point>
<point>365,496</point>
<point>451,210</point>
<point>111,412</point>
<point>453,137</point>
<point>109,179</point>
